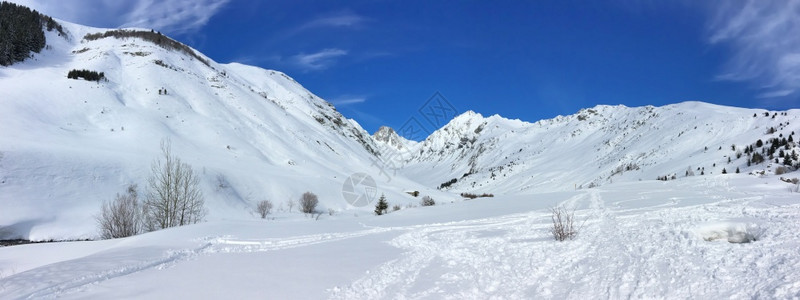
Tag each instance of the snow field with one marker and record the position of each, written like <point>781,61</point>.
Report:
<point>636,240</point>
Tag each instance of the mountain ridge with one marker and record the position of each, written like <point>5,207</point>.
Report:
<point>257,134</point>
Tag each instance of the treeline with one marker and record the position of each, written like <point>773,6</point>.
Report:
<point>151,36</point>
<point>21,32</point>
<point>86,75</point>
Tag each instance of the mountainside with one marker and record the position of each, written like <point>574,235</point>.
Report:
<point>387,137</point>
<point>610,202</point>
<point>598,146</point>
<point>68,144</point>
<point>252,134</point>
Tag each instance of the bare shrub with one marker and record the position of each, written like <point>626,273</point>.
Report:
<point>121,217</point>
<point>427,201</point>
<point>563,224</point>
<point>781,170</point>
<point>308,202</point>
<point>290,204</point>
<point>396,207</point>
<point>473,196</point>
<point>174,197</point>
<point>263,208</point>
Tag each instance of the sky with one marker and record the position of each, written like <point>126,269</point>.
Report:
<point>380,62</point>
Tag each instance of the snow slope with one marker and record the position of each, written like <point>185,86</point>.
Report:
<point>637,240</point>
<point>252,134</point>
<point>593,147</point>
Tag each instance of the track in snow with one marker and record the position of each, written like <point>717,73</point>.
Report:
<point>619,253</point>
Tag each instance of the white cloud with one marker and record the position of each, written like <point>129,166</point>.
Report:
<point>344,19</point>
<point>776,94</point>
<point>765,41</point>
<point>319,60</point>
<point>341,19</point>
<point>173,16</point>
<point>348,100</point>
<point>169,16</point>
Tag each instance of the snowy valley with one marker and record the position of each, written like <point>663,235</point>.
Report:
<point>664,197</point>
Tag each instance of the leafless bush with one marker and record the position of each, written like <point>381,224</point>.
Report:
<point>308,202</point>
<point>473,196</point>
<point>222,182</point>
<point>290,205</point>
<point>781,170</point>
<point>263,208</point>
<point>427,201</point>
<point>563,224</point>
<point>396,207</point>
<point>121,217</point>
<point>174,197</point>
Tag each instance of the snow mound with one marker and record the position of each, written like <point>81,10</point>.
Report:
<point>737,232</point>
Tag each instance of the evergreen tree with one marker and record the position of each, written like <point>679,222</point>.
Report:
<point>382,206</point>
<point>724,171</point>
<point>22,32</point>
<point>757,158</point>
<point>737,170</point>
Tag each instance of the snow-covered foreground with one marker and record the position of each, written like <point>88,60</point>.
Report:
<point>639,239</point>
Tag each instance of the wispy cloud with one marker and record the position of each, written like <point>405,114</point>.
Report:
<point>765,41</point>
<point>172,17</point>
<point>319,60</point>
<point>342,19</point>
<point>177,17</point>
<point>776,94</point>
<point>348,100</point>
<point>339,19</point>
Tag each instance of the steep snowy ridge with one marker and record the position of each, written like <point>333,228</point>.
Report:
<point>253,134</point>
<point>593,147</point>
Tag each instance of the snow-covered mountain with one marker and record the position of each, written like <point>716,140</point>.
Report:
<point>254,134</point>
<point>387,137</point>
<point>596,146</point>
<point>67,145</point>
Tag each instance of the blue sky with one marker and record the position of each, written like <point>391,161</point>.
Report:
<point>380,61</point>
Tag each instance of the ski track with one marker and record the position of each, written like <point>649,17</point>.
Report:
<point>210,246</point>
<point>90,278</point>
<point>618,253</point>
<point>482,260</point>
